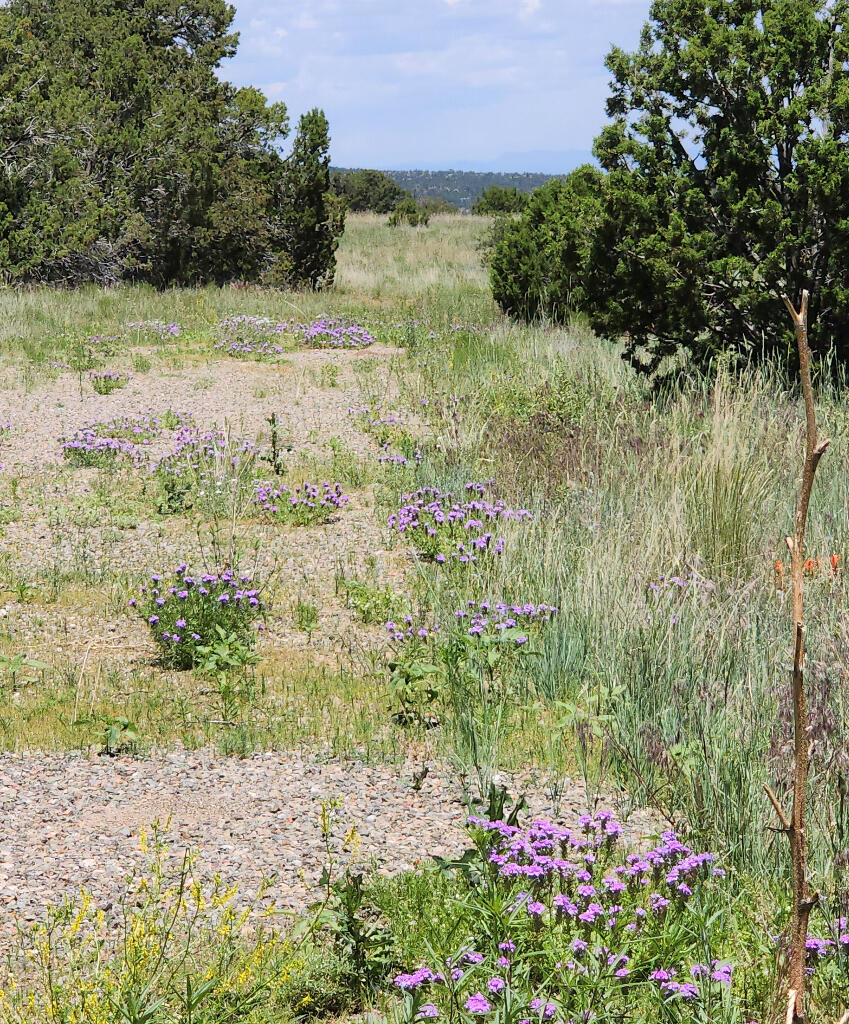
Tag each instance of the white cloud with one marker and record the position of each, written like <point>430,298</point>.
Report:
<point>420,80</point>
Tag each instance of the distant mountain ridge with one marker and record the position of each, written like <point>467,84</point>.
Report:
<point>461,188</point>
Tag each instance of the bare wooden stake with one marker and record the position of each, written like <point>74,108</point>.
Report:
<point>794,824</point>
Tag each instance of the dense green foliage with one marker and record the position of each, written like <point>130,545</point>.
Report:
<point>728,181</point>
<point>367,191</point>
<point>496,199</point>
<point>314,217</point>
<point>539,263</point>
<point>165,173</point>
<point>408,211</point>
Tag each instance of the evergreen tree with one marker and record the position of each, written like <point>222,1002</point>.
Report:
<point>727,184</point>
<point>367,191</point>
<point>314,216</point>
<point>497,199</point>
<point>539,263</point>
<point>123,155</point>
<point>729,180</point>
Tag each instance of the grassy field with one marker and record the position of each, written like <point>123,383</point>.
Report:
<point>654,525</point>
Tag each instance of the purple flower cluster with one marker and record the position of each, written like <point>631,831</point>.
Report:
<point>306,505</point>
<point>185,610</point>
<point>105,382</point>
<point>334,332</point>
<point>256,325</point>
<point>202,451</point>
<point>98,443</point>
<point>604,920</point>
<point>251,336</point>
<point>514,621</point>
<point>107,344</point>
<point>678,584</point>
<point>254,335</point>
<point>819,948</point>
<point>408,630</point>
<point>423,976</point>
<point>88,448</point>
<point>386,457</point>
<point>443,529</point>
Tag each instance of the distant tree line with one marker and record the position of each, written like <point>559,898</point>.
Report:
<point>124,157</point>
<point>724,182</point>
<point>370,191</point>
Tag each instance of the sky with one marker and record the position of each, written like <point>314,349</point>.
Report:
<point>505,85</point>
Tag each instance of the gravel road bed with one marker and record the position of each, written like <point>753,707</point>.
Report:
<point>70,821</point>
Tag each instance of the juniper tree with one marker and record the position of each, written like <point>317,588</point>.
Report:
<point>122,153</point>
<point>314,216</point>
<point>728,180</point>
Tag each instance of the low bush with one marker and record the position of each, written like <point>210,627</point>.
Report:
<point>408,211</point>
<point>187,613</point>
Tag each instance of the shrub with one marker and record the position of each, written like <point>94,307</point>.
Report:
<point>539,264</point>
<point>186,613</point>
<point>497,199</point>
<point>367,190</point>
<point>436,204</point>
<point>408,211</point>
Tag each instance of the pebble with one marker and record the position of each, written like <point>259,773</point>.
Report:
<point>71,821</point>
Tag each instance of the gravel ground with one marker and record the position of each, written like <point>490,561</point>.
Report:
<point>302,562</point>
<point>72,821</point>
<point>241,392</point>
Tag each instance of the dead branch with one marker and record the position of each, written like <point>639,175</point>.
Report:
<point>794,824</point>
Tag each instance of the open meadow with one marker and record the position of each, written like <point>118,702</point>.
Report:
<point>297,581</point>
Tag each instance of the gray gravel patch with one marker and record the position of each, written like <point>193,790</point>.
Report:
<point>72,821</point>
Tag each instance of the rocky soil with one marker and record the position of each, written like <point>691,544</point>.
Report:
<point>70,821</point>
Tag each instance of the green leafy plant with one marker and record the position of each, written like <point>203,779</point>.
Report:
<point>13,664</point>
<point>359,934</point>
<point>305,614</point>
<point>372,602</point>
<point>203,619</point>
<point>119,735</point>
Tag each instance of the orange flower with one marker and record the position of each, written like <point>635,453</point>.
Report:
<point>835,563</point>
<point>812,565</point>
<point>779,567</point>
